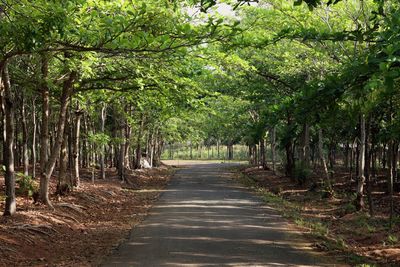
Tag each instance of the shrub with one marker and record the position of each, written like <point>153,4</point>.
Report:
<point>302,174</point>
<point>26,185</point>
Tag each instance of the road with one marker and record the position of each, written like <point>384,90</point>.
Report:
<point>204,218</point>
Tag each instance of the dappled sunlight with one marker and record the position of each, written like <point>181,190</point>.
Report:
<point>204,220</point>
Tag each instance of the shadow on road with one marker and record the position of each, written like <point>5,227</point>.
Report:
<point>204,219</point>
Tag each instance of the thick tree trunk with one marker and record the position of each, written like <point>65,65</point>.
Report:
<point>63,186</point>
<point>361,165</point>
<point>55,151</point>
<point>9,177</point>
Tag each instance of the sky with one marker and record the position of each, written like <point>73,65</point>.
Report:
<point>222,9</point>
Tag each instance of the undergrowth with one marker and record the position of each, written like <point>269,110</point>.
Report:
<point>317,228</point>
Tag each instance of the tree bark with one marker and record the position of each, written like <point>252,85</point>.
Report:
<point>361,165</point>
<point>323,161</point>
<point>262,153</point>
<point>55,151</point>
<point>62,185</point>
<point>9,177</point>
<point>44,128</point>
<point>76,140</point>
<point>305,147</point>
<point>102,152</point>
<point>368,156</point>
<point>121,161</point>
<point>138,155</point>
<point>34,126</point>
<point>25,156</point>
<point>273,148</point>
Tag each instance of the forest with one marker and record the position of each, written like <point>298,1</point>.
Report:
<point>308,89</point>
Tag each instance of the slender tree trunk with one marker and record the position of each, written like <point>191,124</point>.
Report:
<point>361,177</point>
<point>102,128</point>
<point>346,155</point>
<point>323,161</point>
<point>305,147</point>
<point>368,155</point>
<point>128,133</point>
<point>390,179</point>
<point>191,150</point>
<point>34,126</point>
<point>139,145</point>
<point>121,161</point>
<point>290,163</point>
<point>76,155</point>
<point>9,177</point>
<point>25,155</point>
<point>263,155</point>
<point>218,153</point>
<point>44,128</point>
<point>273,148</point>
<point>3,117</point>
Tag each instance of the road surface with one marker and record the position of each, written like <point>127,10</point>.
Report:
<point>205,219</point>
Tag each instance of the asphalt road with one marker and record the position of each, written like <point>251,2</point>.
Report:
<point>206,219</point>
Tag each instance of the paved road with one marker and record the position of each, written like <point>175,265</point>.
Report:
<point>205,219</point>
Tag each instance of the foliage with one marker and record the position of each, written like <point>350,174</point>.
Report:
<point>26,185</point>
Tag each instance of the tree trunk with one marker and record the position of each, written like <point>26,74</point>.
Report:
<point>25,156</point>
<point>390,179</point>
<point>34,126</point>
<point>102,149</point>
<point>305,147</point>
<point>138,155</point>
<point>55,151</point>
<point>128,133</point>
<point>273,147</point>
<point>368,156</point>
<point>121,161</point>
<point>44,128</point>
<point>361,165</point>
<point>289,148</point>
<point>262,153</point>
<point>9,177</point>
<point>218,156</point>
<point>76,140</point>
<point>323,161</point>
<point>63,186</point>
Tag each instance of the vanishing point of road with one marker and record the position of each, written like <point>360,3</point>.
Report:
<point>206,219</point>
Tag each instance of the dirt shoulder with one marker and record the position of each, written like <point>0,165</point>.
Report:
<point>330,223</point>
<point>85,226</point>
